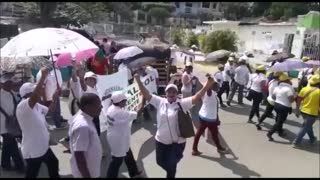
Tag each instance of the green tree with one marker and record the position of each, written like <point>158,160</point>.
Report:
<point>192,40</point>
<point>202,41</point>
<point>47,9</point>
<point>259,8</point>
<point>221,40</point>
<point>286,10</point>
<point>177,36</point>
<point>159,13</point>
<point>235,10</point>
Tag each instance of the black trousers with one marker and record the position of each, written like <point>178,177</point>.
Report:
<point>116,162</point>
<point>10,150</point>
<point>168,156</point>
<point>282,114</point>
<point>268,111</point>
<point>224,88</point>
<point>96,122</point>
<point>256,100</point>
<point>34,164</point>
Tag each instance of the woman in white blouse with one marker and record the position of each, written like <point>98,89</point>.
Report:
<point>257,84</point>
<point>169,144</point>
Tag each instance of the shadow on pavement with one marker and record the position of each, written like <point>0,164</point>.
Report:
<point>293,123</point>
<point>239,109</point>
<point>315,148</point>
<point>222,142</point>
<point>236,168</point>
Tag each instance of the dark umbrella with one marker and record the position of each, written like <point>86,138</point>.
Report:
<point>279,57</point>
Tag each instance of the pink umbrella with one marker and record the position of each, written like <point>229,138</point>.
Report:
<point>65,58</point>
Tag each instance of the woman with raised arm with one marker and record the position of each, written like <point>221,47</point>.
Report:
<point>169,144</point>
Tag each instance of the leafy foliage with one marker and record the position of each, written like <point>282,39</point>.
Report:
<point>192,40</point>
<point>220,40</point>
<point>177,36</point>
<point>161,14</point>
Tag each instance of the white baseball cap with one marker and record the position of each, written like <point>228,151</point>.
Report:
<point>118,96</point>
<point>26,88</point>
<point>171,86</point>
<point>90,75</point>
<point>243,59</point>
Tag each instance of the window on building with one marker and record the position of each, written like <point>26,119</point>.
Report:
<point>188,4</point>
<point>205,4</point>
<point>188,10</point>
<point>141,16</point>
<point>214,5</point>
<point>177,4</point>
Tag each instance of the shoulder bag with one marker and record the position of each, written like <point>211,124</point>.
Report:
<point>185,123</point>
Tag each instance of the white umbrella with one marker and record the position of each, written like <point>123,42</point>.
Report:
<point>214,56</point>
<point>38,42</point>
<point>128,52</point>
<point>289,65</point>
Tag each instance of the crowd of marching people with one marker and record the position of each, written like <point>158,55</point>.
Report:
<point>29,106</point>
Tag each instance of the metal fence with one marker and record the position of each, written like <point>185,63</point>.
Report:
<point>311,51</point>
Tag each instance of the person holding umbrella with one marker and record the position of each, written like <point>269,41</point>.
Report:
<point>308,105</point>
<point>304,75</point>
<point>256,89</point>
<point>35,136</point>
<point>283,95</point>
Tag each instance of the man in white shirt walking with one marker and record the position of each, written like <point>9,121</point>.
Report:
<point>85,143</point>
<point>228,76</point>
<point>241,78</point>
<point>35,136</point>
<point>119,132</point>
<point>218,77</point>
<point>7,113</point>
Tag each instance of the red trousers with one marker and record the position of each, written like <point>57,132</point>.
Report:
<point>213,128</point>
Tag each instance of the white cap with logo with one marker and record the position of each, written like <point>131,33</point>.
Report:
<point>118,96</point>
<point>26,88</point>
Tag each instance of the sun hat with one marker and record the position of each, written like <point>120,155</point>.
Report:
<point>90,75</point>
<point>315,79</point>
<point>231,58</point>
<point>169,86</point>
<point>284,77</point>
<point>243,59</point>
<point>26,88</point>
<point>305,59</point>
<point>261,68</point>
<point>277,74</point>
<point>118,96</point>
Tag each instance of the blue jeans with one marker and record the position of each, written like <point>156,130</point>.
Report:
<point>306,128</point>
<point>168,157</point>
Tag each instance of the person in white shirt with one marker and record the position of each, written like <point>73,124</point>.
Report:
<point>304,75</point>
<point>257,87</point>
<point>8,106</point>
<point>154,71</point>
<point>228,76</point>
<point>51,86</point>
<point>270,102</point>
<point>241,79</point>
<point>209,118</point>
<point>284,96</point>
<point>218,77</point>
<point>85,144</point>
<point>118,135</point>
<point>187,80</point>
<point>124,67</point>
<point>35,136</point>
<point>169,144</point>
